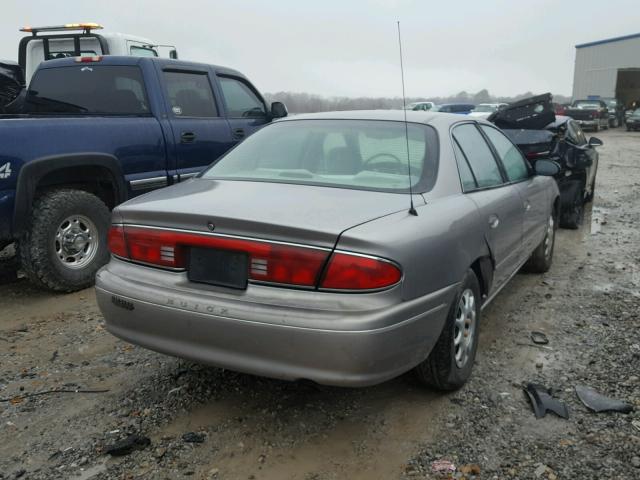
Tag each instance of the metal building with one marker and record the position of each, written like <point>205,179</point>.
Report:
<point>608,68</point>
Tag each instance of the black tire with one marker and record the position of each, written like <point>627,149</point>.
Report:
<point>572,215</point>
<point>542,257</point>
<point>440,370</point>
<point>39,257</point>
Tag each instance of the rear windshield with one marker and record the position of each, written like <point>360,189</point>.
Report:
<point>88,88</point>
<point>359,154</point>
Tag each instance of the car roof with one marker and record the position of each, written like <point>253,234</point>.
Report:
<point>425,117</point>
<point>126,60</point>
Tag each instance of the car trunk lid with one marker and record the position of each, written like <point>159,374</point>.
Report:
<point>304,214</point>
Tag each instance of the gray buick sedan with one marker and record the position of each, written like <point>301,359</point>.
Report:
<point>344,248</point>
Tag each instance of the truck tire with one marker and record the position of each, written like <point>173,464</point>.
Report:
<point>65,242</point>
<point>448,366</point>
<point>571,215</point>
<point>542,257</point>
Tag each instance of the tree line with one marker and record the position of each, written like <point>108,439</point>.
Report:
<point>299,102</point>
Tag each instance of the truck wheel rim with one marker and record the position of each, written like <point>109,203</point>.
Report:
<point>76,242</point>
<point>549,237</point>
<point>465,328</point>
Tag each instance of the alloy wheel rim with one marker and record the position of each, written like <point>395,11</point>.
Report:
<point>465,328</point>
<point>76,242</point>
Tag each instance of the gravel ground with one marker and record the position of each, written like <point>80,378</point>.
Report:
<point>204,423</point>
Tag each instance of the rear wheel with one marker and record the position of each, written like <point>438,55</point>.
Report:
<point>450,362</point>
<point>542,257</point>
<point>65,242</point>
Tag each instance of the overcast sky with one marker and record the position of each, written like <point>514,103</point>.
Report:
<point>349,47</point>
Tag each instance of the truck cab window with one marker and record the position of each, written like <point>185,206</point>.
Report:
<point>190,94</point>
<point>241,100</point>
<point>88,89</point>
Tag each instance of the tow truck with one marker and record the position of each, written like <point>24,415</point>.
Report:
<point>69,40</point>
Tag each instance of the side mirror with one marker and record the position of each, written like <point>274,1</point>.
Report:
<point>173,53</point>
<point>278,110</point>
<point>546,168</point>
<point>595,142</point>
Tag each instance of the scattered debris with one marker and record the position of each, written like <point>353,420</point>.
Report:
<point>193,437</point>
<point>18,398</point>
<point>128,445</point>
<point>542,401</point>
<point>599,403</point>
<point>539,338</point>
<point>442,466</point>
<point>471,469</point>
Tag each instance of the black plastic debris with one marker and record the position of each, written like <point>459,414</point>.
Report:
<point>128,445</point>
<point>193,437</point>
<point>542,401</point>
<point>599,403</point>
<point>539,338</point>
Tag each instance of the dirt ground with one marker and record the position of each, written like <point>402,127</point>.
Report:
<point>254,428</point>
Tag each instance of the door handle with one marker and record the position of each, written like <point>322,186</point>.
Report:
<point>238,133</point>
<point>494,221</point>
<point>187,137</point>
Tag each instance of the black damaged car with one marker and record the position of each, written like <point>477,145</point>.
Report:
<point>533,125</point>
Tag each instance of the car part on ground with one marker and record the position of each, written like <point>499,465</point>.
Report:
<point>600,403</point>
<point>542,401</point>
<point>539,338</point>
<point>334,275</point>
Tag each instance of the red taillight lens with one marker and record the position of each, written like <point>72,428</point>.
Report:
<point>268,262</point>
<point>355,272</point>
<point>116,242</point>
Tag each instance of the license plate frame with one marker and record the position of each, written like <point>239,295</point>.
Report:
<point>223,268</point>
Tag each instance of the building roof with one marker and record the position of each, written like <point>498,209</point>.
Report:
<point>609,40</point>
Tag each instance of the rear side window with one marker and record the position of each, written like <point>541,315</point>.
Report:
<point>466,175</point>
<point>512,160</point>
<point>190,94</point>
<point>477,152</point>
<point>241,100</point>
<point>88,88</point>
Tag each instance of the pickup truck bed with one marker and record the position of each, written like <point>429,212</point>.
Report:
<point>111,128</point>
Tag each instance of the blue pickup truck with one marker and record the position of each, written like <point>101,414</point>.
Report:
<point>92,132</point>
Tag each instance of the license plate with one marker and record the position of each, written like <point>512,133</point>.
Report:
<point>218,267</point>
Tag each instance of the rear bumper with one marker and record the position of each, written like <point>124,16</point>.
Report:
<point>348,347</point>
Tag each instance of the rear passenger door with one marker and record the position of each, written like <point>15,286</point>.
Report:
<point>246,110</point>
<point>500,205</point>
<point>200,133</point>
<point>531,188</point>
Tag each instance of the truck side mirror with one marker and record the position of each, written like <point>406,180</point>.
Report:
<point>595,142</point>
<point>173,53</point>
<point>278,110</point>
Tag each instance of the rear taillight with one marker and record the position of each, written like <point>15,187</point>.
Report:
<point>347,271</point>
<point>116,241</point>
<point>270,262</point>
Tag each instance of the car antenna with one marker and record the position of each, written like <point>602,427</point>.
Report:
<point>412,209</point>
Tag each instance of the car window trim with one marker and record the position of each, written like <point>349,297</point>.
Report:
<point>478,189</point>
<point>192,71</point>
